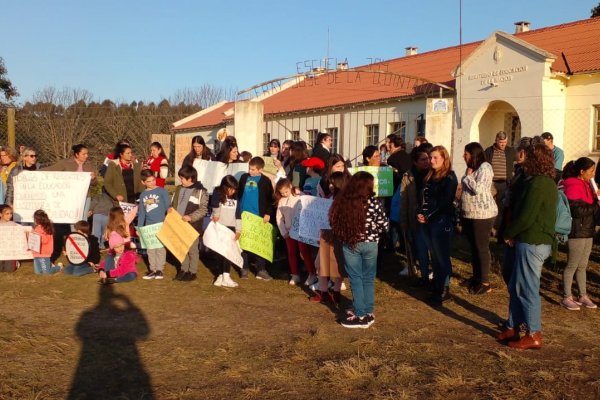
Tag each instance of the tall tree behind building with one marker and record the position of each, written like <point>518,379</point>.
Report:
<point>596,11</point>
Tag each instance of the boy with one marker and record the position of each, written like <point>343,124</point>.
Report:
<point>314,166</point>
<point>255,194</point>
<point>93,257</point>
<point>191,201</point>
<point>154,203</point>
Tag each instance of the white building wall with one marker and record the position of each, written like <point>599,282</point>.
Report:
<point>583,92</point>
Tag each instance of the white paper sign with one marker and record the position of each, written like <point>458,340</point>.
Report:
<point>210,173</point>
<point>77,248</point>
<point>314,216</point>
<point>34,242</point>
<point>13,245</point>
<point>60,194</point>
<point>220,239</point>
<point>130,210</point>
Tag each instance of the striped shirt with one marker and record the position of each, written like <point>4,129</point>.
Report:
<point>499,164</point>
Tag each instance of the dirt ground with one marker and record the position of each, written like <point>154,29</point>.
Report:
<point>64,337</point>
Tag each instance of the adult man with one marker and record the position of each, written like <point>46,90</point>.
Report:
<point>557,152</point>
<point>323,146</point>
<point>397,157</point>
<point>502,158</point>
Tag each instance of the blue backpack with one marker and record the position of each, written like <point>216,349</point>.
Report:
<point>562,227</point>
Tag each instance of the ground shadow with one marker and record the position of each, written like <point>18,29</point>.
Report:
<point>110,365</point>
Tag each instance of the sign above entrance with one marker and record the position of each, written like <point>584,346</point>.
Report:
<point>498,75</point>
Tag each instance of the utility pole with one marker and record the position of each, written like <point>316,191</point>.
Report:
<point>11,127</point>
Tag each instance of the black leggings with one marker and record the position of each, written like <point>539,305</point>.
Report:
<point>478,235</point>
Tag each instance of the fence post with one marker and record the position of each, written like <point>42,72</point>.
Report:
<point>11,127</point>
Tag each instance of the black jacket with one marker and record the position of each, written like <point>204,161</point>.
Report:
<point>400,162</point>
<point>584,219</point>
<point>265,196</point>
<point>438,198</point>
<point>321,152</point>
<point>510,153</point>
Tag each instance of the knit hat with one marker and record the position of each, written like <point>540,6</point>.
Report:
<point>115,240</point>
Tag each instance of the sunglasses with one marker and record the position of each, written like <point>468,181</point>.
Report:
<point>31,155</point>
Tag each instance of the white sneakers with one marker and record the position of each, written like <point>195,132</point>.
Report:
<point>294,280</point>
<point>224,280</point>
<point>311,280</point>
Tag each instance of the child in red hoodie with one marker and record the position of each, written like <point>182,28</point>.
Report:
<point>41,260</point>
<point>125,262</point>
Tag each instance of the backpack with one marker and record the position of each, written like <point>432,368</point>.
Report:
<point>562,227</point>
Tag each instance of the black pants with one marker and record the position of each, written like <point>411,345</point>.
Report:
<point>478,235</point>
<point>60,231</point>
<point>259,262</point>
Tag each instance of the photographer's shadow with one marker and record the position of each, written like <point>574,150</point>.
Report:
<point>110,366</point>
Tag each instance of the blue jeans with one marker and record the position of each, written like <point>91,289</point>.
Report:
<point>438,237</point>
<point>99,222</point>
<point>128,277</point>
<point>78,270</point>
<point>361,266</point>
<point>524,286</point>
<point>43,266</point>
<point>421,250</point>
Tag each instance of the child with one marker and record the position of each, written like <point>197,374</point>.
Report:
<point>224,203</point>
<point>154,203</point>
<point>125,260</point>
<point>6,213</point>
<point>93,257</point>
<point>256,197</point>
<point>287,207</point>
<point>41,261</point>
<point>116,223</point>
<point>191,201</point>
<point>313,166</point>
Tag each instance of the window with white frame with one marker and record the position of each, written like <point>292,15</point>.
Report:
<point>371,135</point>
<point>399,128</point>
<point>333,132</point>
<point>312,136</point>
<point>295,136</point>
<point>597,128</point>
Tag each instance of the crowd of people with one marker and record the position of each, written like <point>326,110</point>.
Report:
<point>512,194</point>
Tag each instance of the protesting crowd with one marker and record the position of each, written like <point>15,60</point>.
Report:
<point>394,200</point>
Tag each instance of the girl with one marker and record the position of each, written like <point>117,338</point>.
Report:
<point>357,219</point>
<point>6,213</point>
<point>479,211</point>
<point>335,163</point>
<point>224,203</point>
<point>41,260</point>
<point>157,163</point>
<point>116,223</point>
<point>584,210</point>
<point>198,151</point>
<point>436,214</point>
<point>123,268</point>
<point>287,206</point>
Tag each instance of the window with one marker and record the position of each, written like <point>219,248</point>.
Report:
<point>295,136</point>
<point>399,128</point>
<point>372,135</point>
<point>420,125</point>
<point>312,136</point>
<point>333,132</point>
<point>597,128</point>
<point>266,140</point>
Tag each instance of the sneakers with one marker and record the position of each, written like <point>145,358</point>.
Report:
<point>244,273</point>
<point>370,319</point>
<point>150,275</point>
<point>219,280</point>
<point>570,304</point>
<point>294,280</point>
<point>311,280</point>
<point>263,275</point>
<point>158,275</point>
<point>180,275</point>
<point>228,282</point>
<point>586,302</point>
<point>188,277</point>
<point>354,322</point>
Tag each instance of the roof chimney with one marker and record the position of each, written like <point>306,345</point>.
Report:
<point>522,26</point>
<point>411,51</point>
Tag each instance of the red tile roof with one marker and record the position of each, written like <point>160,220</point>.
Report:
<point>211,118</point>
<point>579,41</point>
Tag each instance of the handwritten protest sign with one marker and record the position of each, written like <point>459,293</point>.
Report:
<point>384,179</point>
<point>77,248</point>
<point>220,239</point>
<point>34,242</point>
<point>177,235</point>
<point>210,173</point>
<point>61,194</point>
<point>130,210</point>
<point>295,229</point>
<point>147,234</point>
<point>270,168</point>
<point>13,245</point>
<point>257,236</point>
<point>314,216</point>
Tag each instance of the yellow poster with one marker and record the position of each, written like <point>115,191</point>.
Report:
<point>177,235</point>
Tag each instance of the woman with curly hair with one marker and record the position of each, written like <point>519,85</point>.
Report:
<point>357,220</point>
<point>531,233</point>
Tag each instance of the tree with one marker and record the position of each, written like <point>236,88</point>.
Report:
<point>596,11</point>
<point>6,85</point>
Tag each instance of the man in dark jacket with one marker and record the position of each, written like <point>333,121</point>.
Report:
<point>502,158</point>
<point>322,147</point>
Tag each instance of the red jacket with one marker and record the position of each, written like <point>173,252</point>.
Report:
<point>127,263</point>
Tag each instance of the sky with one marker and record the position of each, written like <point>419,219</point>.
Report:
<point>127,50</point>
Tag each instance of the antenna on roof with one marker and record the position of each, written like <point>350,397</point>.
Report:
<point>327,55</point>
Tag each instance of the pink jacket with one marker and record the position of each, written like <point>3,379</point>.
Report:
<point>578,189</point>
<point>125,265</point>
<point>286,208</point>
<point>47,246</point>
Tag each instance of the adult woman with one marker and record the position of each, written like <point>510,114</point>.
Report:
<point>371,156</point>
<point>412,184</point>
<point>8,160</point>
<point>123,181</point>
<point>584,210</point>
<point>274,150</point>
<point>436,213</point>
<point>158,163</point>
<point>357,219</point>
<point>199,151</point>
<point>531,233</point>
<point>229,154</point>
<point>227,146</point>
<point>478,210</point>
<point>28,163</point>
<point>335,163</point>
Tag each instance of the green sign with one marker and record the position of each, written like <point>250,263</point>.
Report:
<point>384,179</point>
<point>147,234</point>
<point>257,236</point>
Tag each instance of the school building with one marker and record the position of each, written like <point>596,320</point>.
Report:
<point>524,83</point>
